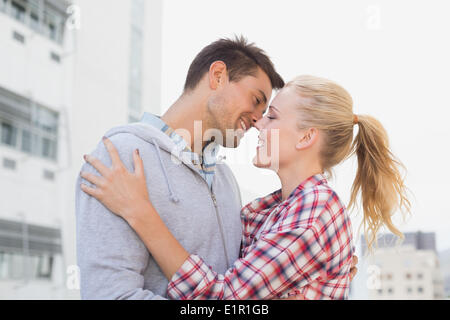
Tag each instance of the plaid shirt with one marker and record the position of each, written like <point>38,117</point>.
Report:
<point>300,245</point>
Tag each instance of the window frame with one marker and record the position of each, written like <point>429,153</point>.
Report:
<point>27,116</point>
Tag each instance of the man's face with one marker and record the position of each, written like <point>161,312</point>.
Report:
<point>236,106</point>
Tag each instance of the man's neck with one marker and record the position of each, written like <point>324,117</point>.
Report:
<point>186,117</point>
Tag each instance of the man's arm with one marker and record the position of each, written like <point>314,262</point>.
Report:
<point>111,257</point>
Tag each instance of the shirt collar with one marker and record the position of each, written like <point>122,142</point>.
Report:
<point>209,152</point>
<point>275,198</point>
<point>311,182</point>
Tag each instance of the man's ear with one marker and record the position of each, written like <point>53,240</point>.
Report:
<point>308,139</point>
<point>218,74</point>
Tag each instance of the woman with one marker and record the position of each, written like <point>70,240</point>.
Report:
<point>297,240</point>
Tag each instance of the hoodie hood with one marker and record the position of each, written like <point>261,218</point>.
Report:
<point>148,133</point>
<point>161,142</point>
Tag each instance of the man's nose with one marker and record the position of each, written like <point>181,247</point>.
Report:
<point>255,118</point>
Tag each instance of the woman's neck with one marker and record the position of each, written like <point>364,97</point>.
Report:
<point>292,176</point>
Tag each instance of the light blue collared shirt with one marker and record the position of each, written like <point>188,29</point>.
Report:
<point>204,163</point>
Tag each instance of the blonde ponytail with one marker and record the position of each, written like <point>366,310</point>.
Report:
<point>378,180</point>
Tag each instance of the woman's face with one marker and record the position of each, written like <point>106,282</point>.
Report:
<point>279,134</point>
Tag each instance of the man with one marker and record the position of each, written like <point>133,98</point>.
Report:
<point>228,87</point>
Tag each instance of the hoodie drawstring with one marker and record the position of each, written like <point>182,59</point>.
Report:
<point>173,197</point>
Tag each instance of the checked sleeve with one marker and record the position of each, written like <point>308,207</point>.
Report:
<point>279,262</point>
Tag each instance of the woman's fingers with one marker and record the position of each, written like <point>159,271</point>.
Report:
<point>354,261</point>
<point>298,296</point>
<point>353,272</point>
<point>138,164</point>
<point>353,268</point>
<point>115,158</point>
<point>92,178</point>
<point>97,164</point>
<point>91,191</point>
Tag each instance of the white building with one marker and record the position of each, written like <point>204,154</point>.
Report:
<point>444,260</point>
<point>406,273</point>
<point>69,72</point>
<point>408,270</point>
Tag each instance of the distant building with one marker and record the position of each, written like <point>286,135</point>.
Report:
<point>410,270</point>
<point>444,259</point>
<point>70,70</point>
<point>419,240</point>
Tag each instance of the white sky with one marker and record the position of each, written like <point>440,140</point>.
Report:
<point>392,56</point>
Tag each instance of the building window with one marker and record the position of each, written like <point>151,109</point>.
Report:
<point>27,251</point>
<point>19,37</point>
<point>18,9</point>
<point>3,5</point>
<point>49,175</point>
<point>46,148</point>
<point>43,16</point>
<point>35,19</point>
<point>28,127</point>
<point>408,276</point>
<point>419,276</point>
<point>9,164</point>
<point>26,141</point>
<point>420,290</point>
<point>17,266</point>
<point>409,290</point>
<point>55,57</point>
<point>44,267</point>
<point>53,25</point>
<point>391,290</point>
<point>9,134</point>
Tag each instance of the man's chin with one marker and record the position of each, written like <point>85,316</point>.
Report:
<point>232,143</point>
<point>258,163</point>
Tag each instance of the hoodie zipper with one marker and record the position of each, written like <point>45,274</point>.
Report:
<point>225,249</point>
<point>219,220</point>
<point>214,200</point>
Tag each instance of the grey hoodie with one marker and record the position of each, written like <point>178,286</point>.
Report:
<point>114,263</point>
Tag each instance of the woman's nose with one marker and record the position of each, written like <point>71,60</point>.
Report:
<point>259,124</point>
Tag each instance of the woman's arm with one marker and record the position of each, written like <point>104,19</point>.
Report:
<point>279,263</point>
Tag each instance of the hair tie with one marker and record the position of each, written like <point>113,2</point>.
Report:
<point>355,119</point>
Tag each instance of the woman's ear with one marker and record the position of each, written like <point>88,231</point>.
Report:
<point>217,74</point>
<point>309,139</point>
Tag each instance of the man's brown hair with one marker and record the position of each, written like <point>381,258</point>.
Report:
<point>241,58</point>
